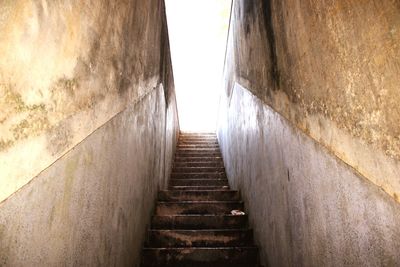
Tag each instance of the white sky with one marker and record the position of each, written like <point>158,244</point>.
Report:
<point>197,32</point>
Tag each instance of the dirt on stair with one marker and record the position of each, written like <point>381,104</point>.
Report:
<point>194,223</point>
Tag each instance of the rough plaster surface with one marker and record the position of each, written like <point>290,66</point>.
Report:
<point>91,207</point>
<point>66,68</point>
<point>332,68</point>
<point>307,207</point>
<point>88,129</point>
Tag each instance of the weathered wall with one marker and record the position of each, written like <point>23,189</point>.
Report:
<point>330,67</point>
<point>319,109</point>
<point>306,206</point>
<point>67,67</point>
<point>87,130</point>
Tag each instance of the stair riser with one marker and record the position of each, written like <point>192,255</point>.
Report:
<point>198,153</point>
<point>205,151</point>
<point>168,208</point>
<point>210,164</point>
<point>199,182</point>
<point>197,139</point>
<point>185,137</point>
<point>190,257</point>
<point>197,169</point>
<point>197,134</point>
<point>200,238</point>
<point>199,195</point>
<point>220,175</point>
<point>179,159</point>
<point>194,188</point>
<point>199,222</point>
<point>198,143</point>
<point>198,146</point>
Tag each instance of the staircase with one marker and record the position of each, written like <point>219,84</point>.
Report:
<point>193,223</point>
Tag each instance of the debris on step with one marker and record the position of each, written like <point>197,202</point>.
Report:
<point>237,213</point>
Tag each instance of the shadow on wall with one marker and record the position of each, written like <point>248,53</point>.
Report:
<point>91,96</point>
<point>311,95</point>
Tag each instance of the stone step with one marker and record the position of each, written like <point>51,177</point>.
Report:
<point>198,146</point>
<point>200,257</point>
<point>198,175</point>
<point>198,142</point>
<point>193,137</point>
<point>197,169</point>
<point>197,139</point>
<point>222,195</point>
<point>205,164</point>
<point>216,159</point>
<point>182,136</point>
<point>199,182</point>
<point>197,188</point>
<point>197,150</point>
<point>200,238</point>
<point>192,222</point>
<point>197,154</point>
<point>183,133</point>
<point>198,207</point>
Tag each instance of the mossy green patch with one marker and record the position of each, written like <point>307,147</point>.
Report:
<point>33,118</point>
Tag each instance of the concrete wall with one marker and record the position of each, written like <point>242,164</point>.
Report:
<point>307,128</point>
<point>88,129</point>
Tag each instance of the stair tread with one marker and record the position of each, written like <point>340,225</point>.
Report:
<point>198,188</point>
<point>199,179</point>
<point>192,224</point>
<point>202,230</point>
<point>193,221</point>
<point>192,191</point>
<point>201,215</point>
<point>199,173</point>
<point>204,248</point>
<point>200,201</point>
<point>218,188</point>
<point>220,169</point>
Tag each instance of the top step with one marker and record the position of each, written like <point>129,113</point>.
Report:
<point>196,134</point>
<point>198,139</point>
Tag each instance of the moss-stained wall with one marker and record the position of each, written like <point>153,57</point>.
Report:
<point>93,205</point>
<point>88,129</point>
<point>66,68</point>
<point>333,69</point>
<point>308,128</point>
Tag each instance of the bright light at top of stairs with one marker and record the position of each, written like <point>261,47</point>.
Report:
<point>198,34</point>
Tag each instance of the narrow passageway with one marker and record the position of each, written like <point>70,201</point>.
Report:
<point>98,167</point>
<point>199,221</point>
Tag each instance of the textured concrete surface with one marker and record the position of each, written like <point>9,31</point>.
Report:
<point>332,69</point>
<point>88,129</point>
<point>91,207</point>
<point>67,67</point>
<point>307,207</point>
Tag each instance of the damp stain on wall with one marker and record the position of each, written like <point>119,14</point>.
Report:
<point>331,69</point>
<point>68,68</point>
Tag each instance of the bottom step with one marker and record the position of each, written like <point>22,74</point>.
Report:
<point>200,257</point>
